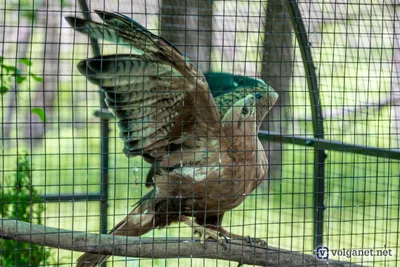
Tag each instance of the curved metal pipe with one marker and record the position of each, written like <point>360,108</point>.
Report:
<point>318,128</point>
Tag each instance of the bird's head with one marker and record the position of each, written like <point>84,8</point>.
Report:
<point>228,89</point>
<point>242,116</point>
<point>222,83</point>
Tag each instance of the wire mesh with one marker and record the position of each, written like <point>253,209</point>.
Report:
<point>48,111</point>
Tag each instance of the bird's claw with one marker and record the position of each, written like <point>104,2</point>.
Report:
<point>255,241</point>
<point>224,236</point>
<point>206,233</point>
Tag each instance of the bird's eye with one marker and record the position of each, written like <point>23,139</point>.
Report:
<point>245,110</point>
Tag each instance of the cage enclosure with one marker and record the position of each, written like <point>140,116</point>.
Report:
<point>167,111</point>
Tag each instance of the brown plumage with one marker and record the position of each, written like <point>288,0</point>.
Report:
<point>166,113</point>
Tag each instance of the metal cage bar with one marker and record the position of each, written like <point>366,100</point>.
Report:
<point>318,128</point>
<point>329,145</point>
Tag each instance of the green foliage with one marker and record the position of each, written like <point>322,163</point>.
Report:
<point>35,77</point>
<point>25,61</point>
<point>28,63</point>
<point>40,113</point>
<point>8,73</point>
<point>22,202</point>
<point>29,9</point>
<point>3,89</point>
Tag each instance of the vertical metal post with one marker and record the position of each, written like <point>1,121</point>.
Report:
<point>319,154</point>
<point>104,134</point>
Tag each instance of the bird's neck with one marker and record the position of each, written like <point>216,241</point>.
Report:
<point>240,143</point>
<point>261,114</point>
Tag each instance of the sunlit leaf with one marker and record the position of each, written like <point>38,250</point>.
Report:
<point>40,113</point>
<point>25,61</point>
<point>20,79</point>
<point>3,89</point>
<point>35,77</point>
<point>11,69</point>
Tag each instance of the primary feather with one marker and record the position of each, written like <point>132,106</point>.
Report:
<point>167,114</point>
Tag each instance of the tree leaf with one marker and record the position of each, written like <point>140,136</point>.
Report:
<point>20,79</point>
<point>11,69</point>
<point>25,61</point>
<point>1,60</point>
<point>40,113</point>
<point>3,89</point>
<point>35,77</point>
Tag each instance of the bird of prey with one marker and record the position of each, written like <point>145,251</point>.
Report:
<point>226,89</point>
<point>208,162</point>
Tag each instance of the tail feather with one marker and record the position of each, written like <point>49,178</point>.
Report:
<point>91,260</point>
<point>138,222</point>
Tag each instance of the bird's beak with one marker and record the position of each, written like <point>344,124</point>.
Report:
<point>257,97</point>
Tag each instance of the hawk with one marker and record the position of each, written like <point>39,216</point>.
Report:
<point>208,158</point>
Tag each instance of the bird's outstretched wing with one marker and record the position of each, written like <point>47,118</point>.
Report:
<point>158,96</point>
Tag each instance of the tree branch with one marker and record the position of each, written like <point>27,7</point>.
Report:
<point>155,247</point>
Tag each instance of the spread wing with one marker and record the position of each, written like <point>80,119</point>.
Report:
<point>160,100</point>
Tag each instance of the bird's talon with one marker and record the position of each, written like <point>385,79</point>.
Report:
<point>224,236</point>
<point>260,242</point>
<point>223,243</point>
<point>255,241</point>
<point>249,240</point>
<point>223,240</point>
<point>203,243</point>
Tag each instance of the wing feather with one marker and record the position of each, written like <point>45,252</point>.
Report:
<point>106,32</point>
<point>121,21</point>
<point>158,97</point>
<point>117,70</point>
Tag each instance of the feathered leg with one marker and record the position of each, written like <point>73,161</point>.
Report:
<point>138,222</point>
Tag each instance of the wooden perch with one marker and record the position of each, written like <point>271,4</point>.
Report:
<point>156,247</point>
